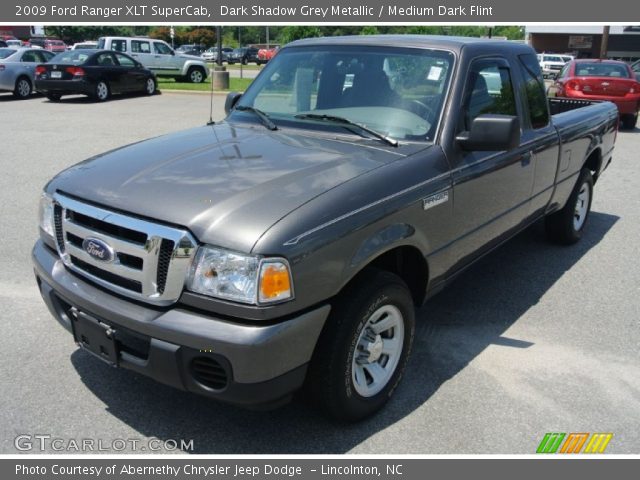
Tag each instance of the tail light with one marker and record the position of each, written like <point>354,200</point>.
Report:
<point>75,71</point>
<point>41,70</point>
<point>573,85</point>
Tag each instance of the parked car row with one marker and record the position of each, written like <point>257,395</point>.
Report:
<point>159,57</point>
<point>243,55</point>
<point>95,73</point>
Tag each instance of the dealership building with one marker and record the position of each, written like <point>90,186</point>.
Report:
<point>585,41</point>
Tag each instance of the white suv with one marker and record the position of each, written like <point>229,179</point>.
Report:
<point>550,64</point>
<point>158,57</point>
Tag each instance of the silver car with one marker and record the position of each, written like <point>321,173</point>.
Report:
<point>17,69</point>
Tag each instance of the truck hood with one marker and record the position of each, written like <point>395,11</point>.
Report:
<point>226,183</point>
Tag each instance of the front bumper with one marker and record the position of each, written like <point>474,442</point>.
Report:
<point>261,364</point>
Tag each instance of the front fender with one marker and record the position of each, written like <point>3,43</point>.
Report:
<point>194,63</point>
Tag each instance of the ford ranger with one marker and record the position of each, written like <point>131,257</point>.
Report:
<point>288,245</point>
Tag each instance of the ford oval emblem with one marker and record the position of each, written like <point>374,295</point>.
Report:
<point>98,249</point>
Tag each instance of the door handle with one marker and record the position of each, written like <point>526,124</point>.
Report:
<point>526,159</point>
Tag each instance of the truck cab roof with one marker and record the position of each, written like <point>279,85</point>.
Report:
<point>451,43</point>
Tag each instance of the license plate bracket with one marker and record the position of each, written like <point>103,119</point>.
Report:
<point>95,337</point>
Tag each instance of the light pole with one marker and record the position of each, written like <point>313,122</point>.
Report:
<point>219,38</point>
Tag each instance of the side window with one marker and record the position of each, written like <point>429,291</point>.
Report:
<point>105,60</point>
<point>489,90</point>
<point>534,91</point>
<point>30,57</point>
<point>139,46</point>
<point>125,61</point>
<point>44,56</point>
<point>119,45</point>
<point>161,48</point>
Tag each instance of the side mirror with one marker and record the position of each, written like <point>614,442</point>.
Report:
<point>491,133</point>
<point>230,102</point>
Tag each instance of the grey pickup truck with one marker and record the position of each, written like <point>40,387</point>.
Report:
<point>288,245</point>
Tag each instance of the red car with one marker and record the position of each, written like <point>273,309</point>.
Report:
<point>601,80</point>
<point>264,55</point>
<point>56,46</point>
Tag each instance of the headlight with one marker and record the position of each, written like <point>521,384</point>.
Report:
<point>45,215</point>
<point>238,277</point>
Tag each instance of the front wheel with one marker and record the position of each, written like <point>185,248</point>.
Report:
<point>364,347</point>
<point>195,75</point>
<point>566,226</point>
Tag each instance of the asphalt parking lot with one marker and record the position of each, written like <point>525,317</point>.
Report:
<point>534,338</point>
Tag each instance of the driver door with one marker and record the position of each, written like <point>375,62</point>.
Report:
<point>492,190</point>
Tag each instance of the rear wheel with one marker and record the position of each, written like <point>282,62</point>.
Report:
<point>629,122</point>
<point>566,226</point>
<point>195,75</point>
<point>101,92</point>
<point>364,347</point>
<point>22,88</point>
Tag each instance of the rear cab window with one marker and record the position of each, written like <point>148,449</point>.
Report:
<point>534,91</point>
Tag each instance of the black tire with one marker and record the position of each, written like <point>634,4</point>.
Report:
<point>561,226</point>
<point>330,379</point>
<point>148,87</point>
<point>54,97</point>
<point>629,122</point>
<point>196,75</point>
<point>245,61</point>
<point>101,92</point>
<point>23,88</point>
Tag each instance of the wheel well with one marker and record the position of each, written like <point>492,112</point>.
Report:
<point>25,77</point>
<point>410,265</point>
<point>594,163</point>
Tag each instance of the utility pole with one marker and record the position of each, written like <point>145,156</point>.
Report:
<point>219,38</point>
<point>604,45</point>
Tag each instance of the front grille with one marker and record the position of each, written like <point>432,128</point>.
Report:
<point>166,250</point>
<point>57,224</point>
<point>209,372</point>
<point>145,260</point>
<point>112,278</point>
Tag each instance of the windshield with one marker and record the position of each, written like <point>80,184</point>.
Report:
<point>72,57</point>
<point>398,92</point>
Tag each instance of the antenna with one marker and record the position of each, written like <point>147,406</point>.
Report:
<point>211,122</point>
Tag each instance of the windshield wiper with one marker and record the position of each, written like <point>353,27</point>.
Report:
<point>264,118</point>
<point>345,121</point>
